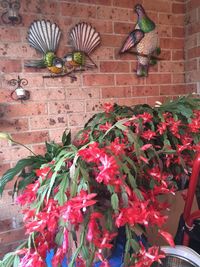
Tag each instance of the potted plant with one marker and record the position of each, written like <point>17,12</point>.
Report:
<point>100,192</point>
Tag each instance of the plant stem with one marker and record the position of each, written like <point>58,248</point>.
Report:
<point>23,146</point>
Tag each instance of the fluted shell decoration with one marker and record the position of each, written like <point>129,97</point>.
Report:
<point>44,36</point>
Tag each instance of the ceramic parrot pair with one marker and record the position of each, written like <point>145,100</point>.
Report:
<point>44,36</point>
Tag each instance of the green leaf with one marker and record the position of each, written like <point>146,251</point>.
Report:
<point>66,138</point>
<point>59,238</point>
<point>85,252</point>
<point>115,202</point>
<point>134,245</point>
<point>11,173</point>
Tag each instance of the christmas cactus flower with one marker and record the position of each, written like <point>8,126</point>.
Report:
<point>77,197</point>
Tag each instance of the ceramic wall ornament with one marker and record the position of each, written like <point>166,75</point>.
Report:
<point>44,36</point>
<point>144,40</point>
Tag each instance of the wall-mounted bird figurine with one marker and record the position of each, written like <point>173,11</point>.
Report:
<point>144,38</point>
<point>44,36</point>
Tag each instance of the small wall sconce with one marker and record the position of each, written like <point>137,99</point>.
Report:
<point>19,93</point>
<point>11,15</point>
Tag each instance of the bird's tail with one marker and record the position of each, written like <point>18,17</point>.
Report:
<point>44,36</point>
<point>84,38</point>
<point>40,63</point>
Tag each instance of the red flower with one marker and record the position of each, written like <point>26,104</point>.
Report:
<point>108,107</point>
<point>168,237</point>
<point>147,257</point>
<point>148,134</point>
<point>32,258</point>
<point>92,153</point>
<point>105,127</point>
<point>29,194</point>
<point>146,117</point>
<point>73,209</point>
<point>108,170</point>
<point>116,147</point>
<point>45,172</point>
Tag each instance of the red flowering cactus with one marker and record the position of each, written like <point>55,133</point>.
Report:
<point>109,177</point>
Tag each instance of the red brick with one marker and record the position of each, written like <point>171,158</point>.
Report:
<point>193,52</point>
<point>14,125</point>
<point>159,79</point>
<point>97,2</point>
<point>171,43</point>
<point>145,91</point>
<point>60,81</point>
<point>175,90</point>
<point>78,10</point>
<point>114,66</point>
<point>193,28</point>
<point>17,50</point>
<point>129,79</point>
<point>192,4</point>
<point>178,78</point>
<point>157,5</point>
<point>112,13</point>
<point>109,40</point>
<point>11,66</point>
<point>39,149</point>
<point>178,8</point>
<point>11,236</point>
<point>106,25</point>
<point>190,42</point>
<point>9,34</point>
<point>170,19</point>
<point>178,32</point>
<point>56,134</point>
<point>126,3</point>
<point>44,7</point>
<point>123,27</point>
<point>131,101</point>
<point>191,65</point>
<point>164,31</point>
<point>45,122</point>
<point>166,66</point>
<point>178,55</point>
<point>165,54</point>
<point>116,92</point>
<point>15,153</point>
<point>25,110</point>
<point>105,53</point>
<point>8,224</point>
<point>78,119</point>
<point>31,137</point>
<point>98,79</point>
<point>3,169</point>
<point>65,107</point>
<point>193,76</point>
<point>82,93</point>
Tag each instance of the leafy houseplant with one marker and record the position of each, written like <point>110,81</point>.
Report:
<point>109,177</point>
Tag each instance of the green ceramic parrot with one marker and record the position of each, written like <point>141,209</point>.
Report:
<point>145,39</point>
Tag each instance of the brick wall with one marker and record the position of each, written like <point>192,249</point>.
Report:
<point>57,103</point>
<point>192,44</point>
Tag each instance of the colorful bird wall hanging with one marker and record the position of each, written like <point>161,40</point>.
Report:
<point>44,36</point>
<point>144,38</point>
